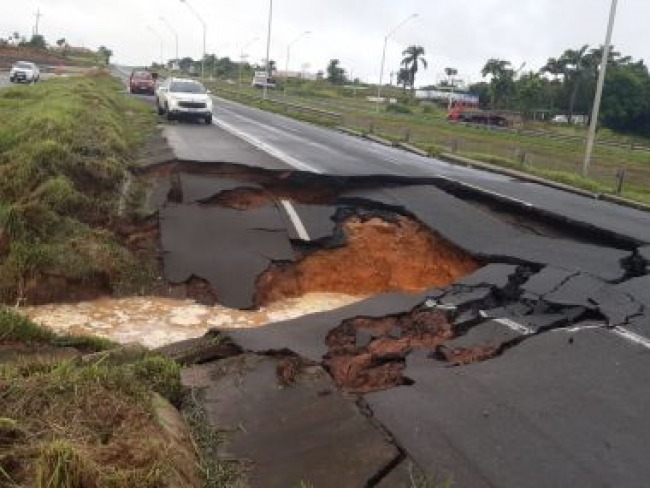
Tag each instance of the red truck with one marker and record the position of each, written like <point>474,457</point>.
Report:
<point>470,112</point>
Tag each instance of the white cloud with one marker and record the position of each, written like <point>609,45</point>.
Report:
<point>459,33</point>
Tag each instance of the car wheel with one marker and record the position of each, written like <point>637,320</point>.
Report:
<point>208,119</point>
<point>170,116</point>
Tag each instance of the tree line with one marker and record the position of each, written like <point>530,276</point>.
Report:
<point>567,83</point>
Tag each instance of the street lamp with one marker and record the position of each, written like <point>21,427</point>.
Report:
<point>286,68</point>
<point>593,123</point>
<point>173,31</point>
<point>242,57</point>
<point>155,32</point>
<point>383,54</point>
<point>268,51</point>
<point>205,33</point>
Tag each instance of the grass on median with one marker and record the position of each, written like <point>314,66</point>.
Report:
<point>65,146</point>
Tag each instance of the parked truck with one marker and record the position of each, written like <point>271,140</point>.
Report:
<point>469,112</point>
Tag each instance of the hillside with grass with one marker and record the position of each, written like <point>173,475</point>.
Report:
<point>65,150</point>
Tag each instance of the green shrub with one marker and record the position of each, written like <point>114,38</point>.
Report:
<point>398,108</point>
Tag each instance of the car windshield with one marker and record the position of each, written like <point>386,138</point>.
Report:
<point>24,65</point>
<point>186,87</point>
<point>142,75</point>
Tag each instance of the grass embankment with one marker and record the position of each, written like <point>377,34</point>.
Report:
<point>85,422</point>
<point>65,148</point>
<point>424,125</point>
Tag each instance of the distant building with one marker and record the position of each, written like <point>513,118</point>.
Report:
<point>299,75</point>
<point>447,96</point>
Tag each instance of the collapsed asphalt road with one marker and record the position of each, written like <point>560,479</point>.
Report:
<point>471,289</point>
<point>500,347</point>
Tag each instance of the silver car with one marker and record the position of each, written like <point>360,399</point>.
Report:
<point>24,72</point>
<point>184,98</point>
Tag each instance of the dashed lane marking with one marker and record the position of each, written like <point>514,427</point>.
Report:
<point>295,220</point>
<point>273,151</point>
<point>632,337</point>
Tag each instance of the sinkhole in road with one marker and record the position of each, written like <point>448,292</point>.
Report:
<point>392,253</point>
<point>351,244</point>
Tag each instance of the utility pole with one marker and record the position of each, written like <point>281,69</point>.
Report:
<point>383,56</point>
<point>38,16</point>
<point>268,52</point>
<point>593,123</point>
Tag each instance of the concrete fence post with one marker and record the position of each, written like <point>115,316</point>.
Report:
<point>620,180</point>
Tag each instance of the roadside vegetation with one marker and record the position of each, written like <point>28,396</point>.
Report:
<point>65,148</point>
<point>98,420</point>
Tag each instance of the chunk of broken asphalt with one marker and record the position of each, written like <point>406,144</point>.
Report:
<point>363,338</point>
<point>496,275</point>
<point>490,333</point>
<point>197,188</point>
<point>289,434</point>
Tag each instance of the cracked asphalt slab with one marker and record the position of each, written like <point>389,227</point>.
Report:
<point>561,409</point>
<point>529,371</point>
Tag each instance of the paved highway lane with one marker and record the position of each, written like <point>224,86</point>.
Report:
<point>310,148</point>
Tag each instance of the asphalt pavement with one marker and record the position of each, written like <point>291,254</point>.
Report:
<point>560,401</point>
<point>306,147</point>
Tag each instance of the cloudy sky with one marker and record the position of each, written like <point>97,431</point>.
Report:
<point>458,33</point>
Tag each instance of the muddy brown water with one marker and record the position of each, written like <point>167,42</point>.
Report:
<point>154,321</point>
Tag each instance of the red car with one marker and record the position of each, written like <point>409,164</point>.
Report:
<point>142,82</point>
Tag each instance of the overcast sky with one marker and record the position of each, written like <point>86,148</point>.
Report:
<point>458,33</point>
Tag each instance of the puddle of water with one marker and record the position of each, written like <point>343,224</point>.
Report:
<point>154,322</point>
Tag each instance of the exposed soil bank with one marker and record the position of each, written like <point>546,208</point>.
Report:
<point>378,257</point>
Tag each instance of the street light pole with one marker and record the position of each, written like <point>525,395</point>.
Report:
<point>205,33</point>
<point>173,31</point>
<point>155,32</point>
<point>593,123</point>
<point>241,59</point>
<point>383,55</point>
<point>268,51</point>
<point>286,68</point>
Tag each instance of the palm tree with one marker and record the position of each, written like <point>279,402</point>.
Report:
<point>413,57</point>
<point>577,66</point>
<point>502,78</point>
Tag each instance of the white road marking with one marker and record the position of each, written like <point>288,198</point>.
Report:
<point>632,337</point>
<point>273,151</point>
<point>295,220</point>
<point>515,326</point>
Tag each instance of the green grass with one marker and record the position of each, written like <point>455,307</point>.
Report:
<point>78,424</point>
<point>65,147</point>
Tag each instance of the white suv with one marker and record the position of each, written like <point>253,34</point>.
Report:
<point>24,71</point>
<point>180,97</point>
